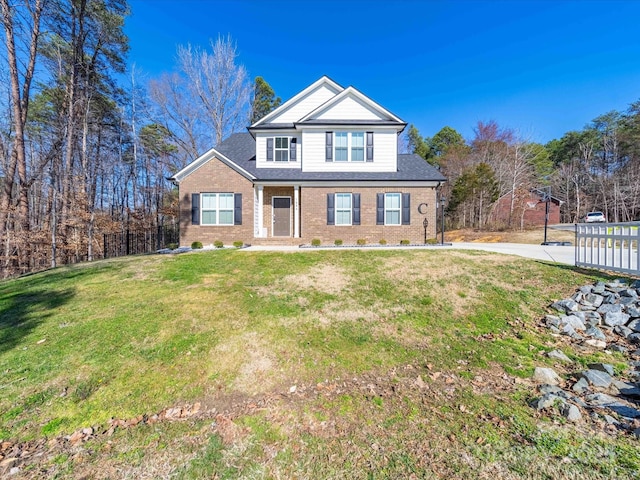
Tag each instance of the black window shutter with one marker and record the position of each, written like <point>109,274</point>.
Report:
<point>269,149</point>
<point>237,209</point>
<point>406,209</point>
<point>356,209</point>
<point>331,209</point>
<point>292,149</point>
<point>380,209</point>
<point>195,209</point>
<point>369,146</point>
<point>329,146</point>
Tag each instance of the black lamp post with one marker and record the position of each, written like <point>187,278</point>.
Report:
<point>442,202</point>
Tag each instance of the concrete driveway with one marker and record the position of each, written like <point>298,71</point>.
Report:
<point>558,254</point>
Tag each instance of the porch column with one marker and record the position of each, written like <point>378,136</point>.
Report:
<point>296,211</point>
<point>260,212</point>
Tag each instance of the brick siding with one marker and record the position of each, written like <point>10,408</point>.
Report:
<point>215,176</point>
<point>313,207</point>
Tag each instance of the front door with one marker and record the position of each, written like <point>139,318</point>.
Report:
<point>281,216</point>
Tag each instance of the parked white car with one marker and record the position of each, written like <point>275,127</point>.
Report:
<point>595,217</point>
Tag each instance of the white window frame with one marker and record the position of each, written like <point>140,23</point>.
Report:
<point>350,147</point>
<point>353,147</point>
<point>387,209</point>
<point>350,209</point>
<point>282,150</point>
<point>217,208</point>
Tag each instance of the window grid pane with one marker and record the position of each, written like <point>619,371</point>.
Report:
<point>209,217</point>
<point>392,209</point>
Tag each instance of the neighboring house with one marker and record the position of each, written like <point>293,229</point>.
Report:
<point>323,165</point>
<point>528,209</point>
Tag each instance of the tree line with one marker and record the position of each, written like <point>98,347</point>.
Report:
<point>87,142</point>
<point>596,168</point>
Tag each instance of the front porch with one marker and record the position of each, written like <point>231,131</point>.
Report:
<point>276,214</point>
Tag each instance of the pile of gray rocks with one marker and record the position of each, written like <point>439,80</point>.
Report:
<point>606,317</point>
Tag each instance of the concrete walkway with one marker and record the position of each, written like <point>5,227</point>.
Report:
<point>557,254</point>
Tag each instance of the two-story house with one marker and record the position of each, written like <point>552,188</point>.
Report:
<point>323,165</point>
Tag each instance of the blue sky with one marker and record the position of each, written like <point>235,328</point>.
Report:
<point>540,67</point>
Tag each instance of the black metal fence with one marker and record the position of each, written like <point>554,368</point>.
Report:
<point>133,242</point>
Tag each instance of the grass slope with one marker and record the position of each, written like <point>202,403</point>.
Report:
<point>405,363</point>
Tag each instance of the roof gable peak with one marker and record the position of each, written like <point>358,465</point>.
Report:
<point>323,81</point>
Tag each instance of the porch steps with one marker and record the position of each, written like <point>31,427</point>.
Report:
<point>278,241</point>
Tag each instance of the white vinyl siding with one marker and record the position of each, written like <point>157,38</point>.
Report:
<point>392,208</point>
<point>350,109</point>
<point>343,208</point>
<point>261,150</point>
<point>385,156</point>
<point>305,105</point>
<point>216,209</point>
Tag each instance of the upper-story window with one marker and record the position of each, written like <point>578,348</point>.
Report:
<point>282,149</point>
<point>357,147</point>
<point>349,147</point>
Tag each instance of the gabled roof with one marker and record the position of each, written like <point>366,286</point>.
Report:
<point>384,115</point>
<point>238,151</point>
<point>322,82</point>
<point>233,146</point>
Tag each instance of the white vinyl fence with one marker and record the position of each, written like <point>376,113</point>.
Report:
<point>608,246</point>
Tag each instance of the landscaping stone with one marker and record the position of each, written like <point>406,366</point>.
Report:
<point>548,376</point>
<point>609,308</point>
<point>593,299</point>
<point>580,386</point>
<point>574,321</point>
<point>570,412</point>
<point>622,330</point>
<point>546,401</point>
<point>633,311</point>
<point>567,305</point>
<point>597,378</point>
<point>592,342</point>
<point>615,318</point>
<point>618,348</point>
<point>559,355</point>
<point>595,332</point>
<point>603,367</point>
<point>634,325</point>
<point>627,389</point>
<point>552,320</point>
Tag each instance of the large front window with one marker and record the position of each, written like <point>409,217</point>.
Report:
<point>282,149</point>
<point>217,209</point>
<point>392,209</point>
<point>343,209</point>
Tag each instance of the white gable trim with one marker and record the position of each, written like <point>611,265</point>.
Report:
<point>293,100</point>
<point>350,91</point>
<point>204,159</point>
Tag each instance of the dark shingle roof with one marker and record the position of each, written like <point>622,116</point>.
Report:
<point>240,149</point>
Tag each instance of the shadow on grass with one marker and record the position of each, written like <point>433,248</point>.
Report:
<point>590,272</point>
<point>22,312</point>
